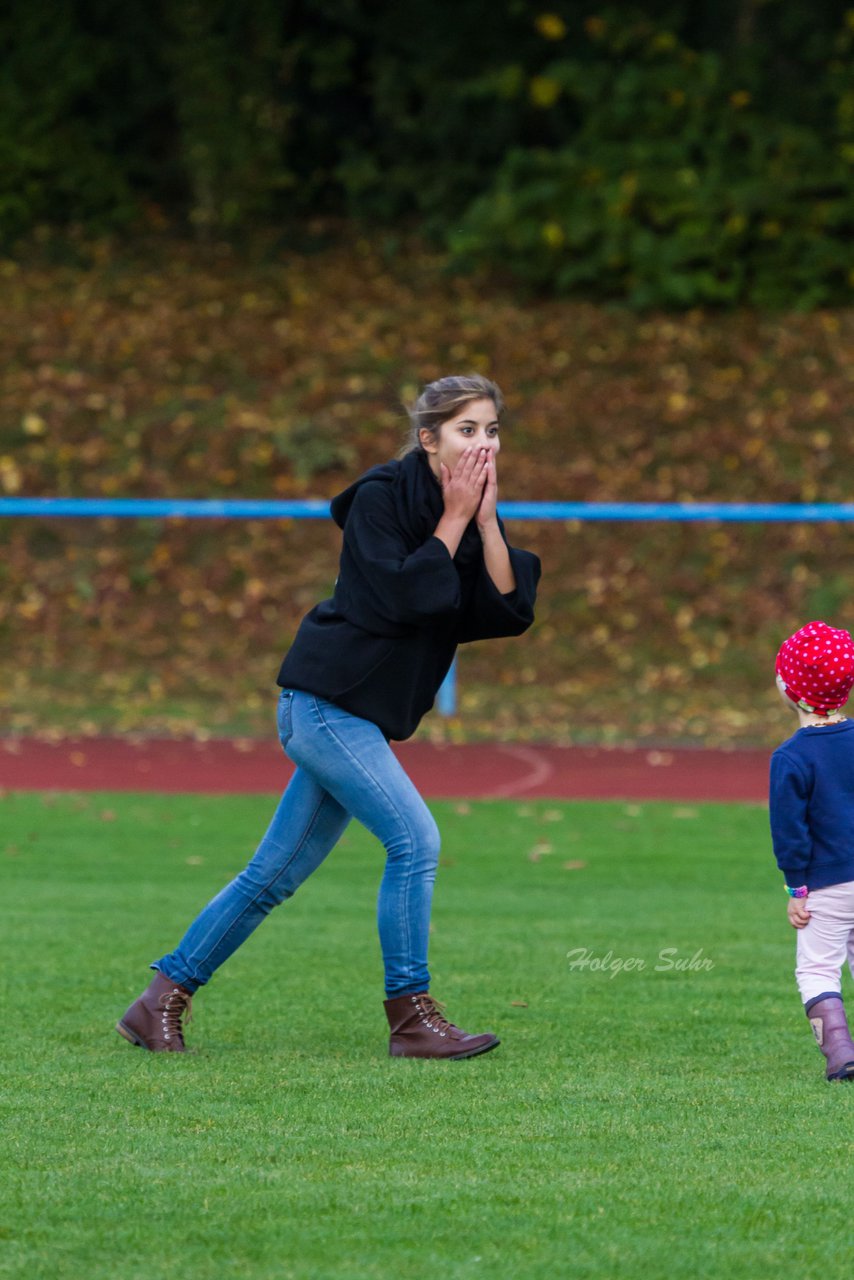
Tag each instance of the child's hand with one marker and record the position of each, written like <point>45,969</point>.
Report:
<point>798,913</point>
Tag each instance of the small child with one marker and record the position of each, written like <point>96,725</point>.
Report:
<point>812,827</point>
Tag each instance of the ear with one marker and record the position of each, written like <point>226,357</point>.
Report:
<point>428,441</point>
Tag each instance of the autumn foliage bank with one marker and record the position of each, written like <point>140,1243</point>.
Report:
<point>197,373</point>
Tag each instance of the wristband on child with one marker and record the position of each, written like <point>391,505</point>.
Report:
<point>802,892</point>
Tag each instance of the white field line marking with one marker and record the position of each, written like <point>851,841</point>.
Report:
<point>539,769</point>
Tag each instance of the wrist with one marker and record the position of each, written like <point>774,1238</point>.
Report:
<point>452,522</point>
<point>801,892</point>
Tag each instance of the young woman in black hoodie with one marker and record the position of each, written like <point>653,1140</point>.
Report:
<point>425,566</point>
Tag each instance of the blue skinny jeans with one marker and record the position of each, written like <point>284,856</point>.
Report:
<point>345,769</point>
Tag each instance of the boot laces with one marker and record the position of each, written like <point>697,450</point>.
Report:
<point>175,1005</point>
<point>433,1013</point>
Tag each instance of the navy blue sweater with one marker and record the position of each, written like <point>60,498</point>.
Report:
<point>382,645</point>
<point>812,806</point>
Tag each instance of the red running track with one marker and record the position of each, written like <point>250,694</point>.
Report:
<point>474,771</point>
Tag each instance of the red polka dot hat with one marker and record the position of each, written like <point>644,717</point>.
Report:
<point>816,665</point>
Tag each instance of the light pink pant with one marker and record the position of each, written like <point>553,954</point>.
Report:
<point>827,941</point>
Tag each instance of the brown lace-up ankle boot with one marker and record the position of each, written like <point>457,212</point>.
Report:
<point>154,1020</point>
<point>419,1029</point>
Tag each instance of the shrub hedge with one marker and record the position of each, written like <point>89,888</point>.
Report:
<point>672,153</point>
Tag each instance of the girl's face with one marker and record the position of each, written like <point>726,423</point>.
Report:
<point>475,426</point>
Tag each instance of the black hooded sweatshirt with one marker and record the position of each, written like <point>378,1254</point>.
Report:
<point>381,647</point>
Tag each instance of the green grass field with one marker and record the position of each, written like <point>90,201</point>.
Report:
<point>659,1112</point>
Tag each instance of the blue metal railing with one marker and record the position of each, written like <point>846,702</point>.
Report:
<point>318,509</point>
